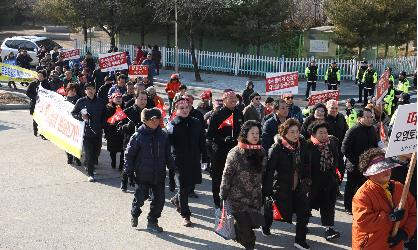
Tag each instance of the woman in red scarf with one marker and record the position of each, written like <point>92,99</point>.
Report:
<point>287,180</point>
<point>322,155</point>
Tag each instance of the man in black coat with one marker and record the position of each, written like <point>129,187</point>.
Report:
<point>337,126</point>
<point>104,89</point>
<point>188,148</point>
<point>222,135</point>
<point>270,127</point>
<point>32,93</point>
<point>357,140</point>
<point>128,126</point>
<point>92,110</point>
<point>23,59</point>
<point>147,156</point>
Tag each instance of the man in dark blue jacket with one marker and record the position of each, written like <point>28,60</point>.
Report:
<point>91,109</point>
<point>146,158</point>
<point>271,126</point>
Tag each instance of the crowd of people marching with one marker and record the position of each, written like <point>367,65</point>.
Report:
<point>264,158</point>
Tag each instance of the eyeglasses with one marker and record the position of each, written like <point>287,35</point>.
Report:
<point>257,98</point>
<point>289,97</point>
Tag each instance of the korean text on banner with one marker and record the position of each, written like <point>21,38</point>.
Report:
<point>70,54</point>
<point>323,96</point>
<point>15,73</point>
<point>113,61</point>
<point>403,139</point>
<point>138,71</point>
<point>55,122</point>
<point>382,87</point>
<point>281,83</point>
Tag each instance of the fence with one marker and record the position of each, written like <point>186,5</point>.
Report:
<point>241,64</point>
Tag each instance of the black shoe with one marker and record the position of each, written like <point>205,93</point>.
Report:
<point>339,194</point>
<point>331,233</point>
<point>265,231</point>
<point>70,161</point>
<point>43,137</point>
<point>301,245</point>
<point>113,165</point>
<point>171,187</point>
<point>78,162</point>
<point>123,187</point>
<point>152,226</point>
<point>134,221</point>
<point>193,195</point>
<point>348,211</point>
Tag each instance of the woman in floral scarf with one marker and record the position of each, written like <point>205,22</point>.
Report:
<point>322,155</point>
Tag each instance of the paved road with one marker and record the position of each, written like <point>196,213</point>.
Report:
<point>47,204</point>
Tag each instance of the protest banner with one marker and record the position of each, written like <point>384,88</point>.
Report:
<point>138,71</point>
<point>281,83</point>
<point>16,74</point>
<point>323,96</point>
<point>55,122</point>
<point>382,87</point>
<point>113,61</point>
<point>403,139</point>
<point>70,54</point>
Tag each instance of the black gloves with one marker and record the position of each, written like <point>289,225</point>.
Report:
<point>132,179</point>
<point>400,236</point>
<point>230,140</point>
<point>396,215</point>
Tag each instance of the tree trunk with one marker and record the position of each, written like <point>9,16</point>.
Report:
<point>360,48</point>
<point>201,36</point>
<point>142,35</point>
<point>406,49</point>
<point>257,51</point>
<point>194,61</point>
<point>112,39</point>
<point>386,49</point>
<point>85,30</point>
<point>167,36</point>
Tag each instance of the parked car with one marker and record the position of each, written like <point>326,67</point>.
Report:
<point>31,43</point>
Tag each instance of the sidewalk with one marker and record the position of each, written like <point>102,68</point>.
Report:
<point>237,83</point>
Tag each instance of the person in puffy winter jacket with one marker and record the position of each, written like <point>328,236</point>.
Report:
<point>172,88</point>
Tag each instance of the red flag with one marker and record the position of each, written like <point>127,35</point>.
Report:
<point>119,115</point>
<point>382,132</point>
<point>229,122</point>
<point>173,115</point>
<point>277,216</point>
<point>161,108</point>
<point>338,174</point>
<point>61,91</point>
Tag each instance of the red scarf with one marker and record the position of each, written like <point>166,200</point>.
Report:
<point>248,146</point>
<point>287,145</point>
<point>316,142</point>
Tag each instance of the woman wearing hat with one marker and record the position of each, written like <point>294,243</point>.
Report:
<point>375,206</point>
<point>319,113</point>
<point>114,139</point>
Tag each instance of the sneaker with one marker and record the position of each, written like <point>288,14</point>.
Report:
<point>331,233</point>
<point>123,187</point>
<point>90,179</point>
<point>339,194</point>
<point>187,222</point>
<point>193,195</point>
<point>43,137</point>
<point>301,245</point>
<point>176,204</point>
<point>265,231</point>
<point>154,227</point>
<point>134,221</point>
<point>69,161</point>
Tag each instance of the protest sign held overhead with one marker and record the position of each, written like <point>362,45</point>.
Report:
<point>403,139</point>
<point>70,54</point>
<point>382,87</point>
<point>113,61</point>
<point>15,73</point>
<point>323,96</point>
<point>138,71</point>
<point>281,83</point>
<point>53,115</point>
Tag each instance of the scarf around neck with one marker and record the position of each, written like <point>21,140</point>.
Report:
<point>326,159</point>
<point>248,146</point>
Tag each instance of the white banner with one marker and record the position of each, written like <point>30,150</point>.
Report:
<point>55,122</point>
<point>403,139</point>
<point>318,46</point>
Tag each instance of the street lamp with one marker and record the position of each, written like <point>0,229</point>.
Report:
<point>176,48</point>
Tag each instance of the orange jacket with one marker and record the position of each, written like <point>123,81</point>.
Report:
<point>371,224</point>
<point>159,103</point>
<point>172,88</point>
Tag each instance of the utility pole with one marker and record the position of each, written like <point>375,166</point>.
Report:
<point>176,48</point>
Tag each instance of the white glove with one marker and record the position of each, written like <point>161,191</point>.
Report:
<point>204,166</point>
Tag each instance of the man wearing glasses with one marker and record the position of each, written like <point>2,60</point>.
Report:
<point>294,111</point>
<point>255,110</point>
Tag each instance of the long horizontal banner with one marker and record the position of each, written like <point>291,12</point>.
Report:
<point>15,73</point>
<point>55,122</point>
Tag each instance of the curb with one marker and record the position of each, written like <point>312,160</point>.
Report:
<point>14,106</point>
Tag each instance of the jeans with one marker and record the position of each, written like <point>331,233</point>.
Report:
<point>157,203</point>
<point>91,145</point>
<point>182,197</point>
